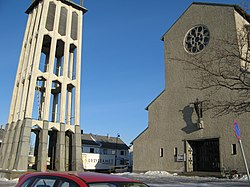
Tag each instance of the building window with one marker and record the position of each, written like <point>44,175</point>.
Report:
<point>105,151</point>
<point>196,39</point>
<point>161,152</point>
<point>175,151</point>
<point>91,150</point>
<point>122,152</point>
<point>234,151</point>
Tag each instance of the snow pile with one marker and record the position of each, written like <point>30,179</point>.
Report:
<point>244,177</point>
<point>148,173</point>
<point>4,179</point>
<point>160,173</point>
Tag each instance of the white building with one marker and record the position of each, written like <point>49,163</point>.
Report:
<point>104,153</point>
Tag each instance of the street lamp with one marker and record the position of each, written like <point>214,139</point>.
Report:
<point>118,136</point>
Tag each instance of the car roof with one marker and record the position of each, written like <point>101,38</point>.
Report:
<point>88,177</point>
<point>100,177</point>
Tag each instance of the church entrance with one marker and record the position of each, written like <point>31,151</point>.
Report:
<point>203,155</point>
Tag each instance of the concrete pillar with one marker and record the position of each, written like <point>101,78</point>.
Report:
<point>36,147</point>
<point>71,61</point>
<point>77,164</point>
<point>6,158</point>
<point>69,107</point>
<point>4,145</point>
<point>42,149</point>
<point>18,75</point>
<point>55,108</point>
<point>21,162</point>
<point>30,102</point>
<point>28,86</point>
<point>67,142</point>
<point>16,138</point>
<point>60,149</point>
<point>78,72</point>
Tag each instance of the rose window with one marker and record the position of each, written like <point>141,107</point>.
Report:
<point>196,39</point>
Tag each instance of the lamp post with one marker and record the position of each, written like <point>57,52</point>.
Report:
<point>116,147</point>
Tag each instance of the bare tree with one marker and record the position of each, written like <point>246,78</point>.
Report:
<point>225,67</point>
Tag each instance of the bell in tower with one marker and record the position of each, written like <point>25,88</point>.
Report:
<point>45,105</point>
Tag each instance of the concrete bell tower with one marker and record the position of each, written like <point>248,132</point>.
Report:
<point>45,106</point>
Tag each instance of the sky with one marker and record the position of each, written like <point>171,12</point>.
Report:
<point>122,60</point>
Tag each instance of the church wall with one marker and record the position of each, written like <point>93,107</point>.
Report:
<point>172,119</point>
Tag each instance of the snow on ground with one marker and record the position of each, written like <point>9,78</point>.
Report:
<point>164,179</point>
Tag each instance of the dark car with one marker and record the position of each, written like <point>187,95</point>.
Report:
<point>71,179</point>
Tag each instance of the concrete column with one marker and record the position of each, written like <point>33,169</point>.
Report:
<point>77,164</point>
<point>55,108</point>
<point>69,107</point>
<point>63,102</point>
<point>36,59</point>
<point>60,149</point>
<point>42,149</point>
<point>65,76</point>
<point>14,148</point>
<point>36,147</point>
<point>28,65</point>
<point>6,158</point>
<point>78,70</point>
<point>67,141</point>
<point>4,145</point>
<point>18,75</point>
<point>71,62</point>
<point>21,162</point>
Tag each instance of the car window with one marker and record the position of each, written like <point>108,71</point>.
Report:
<point>69,184</point>
<point>102,185</point>
<point>44,182</point>
<point>26,183</point>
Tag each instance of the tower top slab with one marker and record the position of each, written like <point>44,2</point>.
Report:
<point>67,2</point>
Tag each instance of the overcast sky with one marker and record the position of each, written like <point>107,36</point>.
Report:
<point>122,60</point>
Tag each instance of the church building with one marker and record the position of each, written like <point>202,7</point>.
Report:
<point>185,132</point>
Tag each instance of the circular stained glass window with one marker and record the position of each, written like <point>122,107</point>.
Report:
<point>196,39</point>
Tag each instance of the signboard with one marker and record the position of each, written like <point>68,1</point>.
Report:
<point>93,161</point>
<point>180,157</point>
<point>237,130</point>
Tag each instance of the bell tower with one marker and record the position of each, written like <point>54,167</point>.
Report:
<point>45,105</point>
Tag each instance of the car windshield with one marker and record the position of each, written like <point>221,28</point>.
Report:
<point>117,184</point>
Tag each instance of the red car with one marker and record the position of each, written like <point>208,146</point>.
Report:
<point>68,179</point>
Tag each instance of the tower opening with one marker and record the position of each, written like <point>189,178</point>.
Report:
<point>52,140</point>
<point>59,58</point>
<point>55,101</point>
<point>72,62</point>
<point>45,52</point>
<point>39,97</point>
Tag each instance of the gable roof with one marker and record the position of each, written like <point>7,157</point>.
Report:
<point>107,142</point>
<point>237,8</point>
<point>139,135</point>
<point>155,99</point>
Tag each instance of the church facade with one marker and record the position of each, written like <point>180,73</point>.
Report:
<point>181,135</point>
